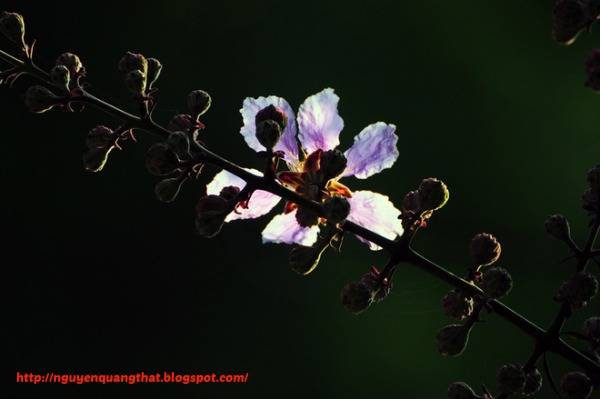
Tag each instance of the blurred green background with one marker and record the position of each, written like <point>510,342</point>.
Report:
<point>102,278</point>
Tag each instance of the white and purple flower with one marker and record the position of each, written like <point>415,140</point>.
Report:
<point>317,127</point>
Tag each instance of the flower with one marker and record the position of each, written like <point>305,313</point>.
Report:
<point>315,169</point>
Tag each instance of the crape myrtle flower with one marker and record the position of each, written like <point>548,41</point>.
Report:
<point>308,143</point>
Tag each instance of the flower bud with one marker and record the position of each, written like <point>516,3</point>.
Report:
<point>179,142</point>
<point>133,62</point>
<point>592,70</point>
<point>59,75</point>
<point>576,385</point>
<point>410,203</point>
<point>210,215</point>
<point>460,390</point>
<point>12,26</point>
<point>304,260</point>
<point>306,218</point>
<point>357,297</point>
<point>198,103</point>
<point>591,328</point>
<point>578,289</point>
<point>100,137</point>
<point>180,122</point>
<point>94,159</point>
<point>136,82</point>
<point>457,304</point>
<point>496,282</point>
<point>593,175</point>
<point>161,160</point>
<point>268,133</point>
<point>433,194</point>
<point>167,189</point>
<point>39,99</point>
<point>229,193</point>
<point>484,249</point>
<point>533,383</point>
<point>154,68</point>
<point>557,227</point>
<point>452,340</point>
<point>569,19</point>
<point>590,202</point>
<point>273,113</point>
<point>511,379</point>
<point>332,164</point>
<point>71,61</point>
<point>336,209</point>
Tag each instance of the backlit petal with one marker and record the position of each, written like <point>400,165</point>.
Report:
<point>285,229</point>
<point>375,212</point>
<point>374,149</point>
<point>261,202</point>
<point>319,123</point>
<point>287,143</point>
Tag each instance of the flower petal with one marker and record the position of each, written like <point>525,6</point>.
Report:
<point>261,202</point>
<point>319,122</point>
<point>285,229</point>
<point>287,143</point>
<point>374,149</point>
<point>375,212</point>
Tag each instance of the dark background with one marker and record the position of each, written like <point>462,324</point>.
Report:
<point>102,278</point>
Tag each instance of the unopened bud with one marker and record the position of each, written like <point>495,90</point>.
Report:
<point>154,68</point>
<point>136,82</point>
<point>100,137</point>
<point>410,203</point>
<point>593,175</point>
<point>557,227</point>
<point>71,61</point>
<point>336,209</point>
<point>591,328</point>
<point>457,304</point>
<point>180,122</point>
<point>94,159</point>
<point>229,193</point>
<point>496,282</point>
<point>332,164</point>
<point>306,218</point>
<point>533,383</point>
<point>569,19</point>
<point>167,189</point>
<point>460,390</point>
<point>268,133</point>
<point>210,215</point>
<point>180,144</point>
<point>578,289</point>
<point>484,249</point>
<point>273,113</point>
<point>198,102</point>
<point>452,340</point>
<point>592,70</point>
<point>12,26</point>
<point>576,385</point>
<point>433,194</point>
<point>357,297</point>
<point>60,76</point>
<point>39,99</point>
<point>304,260</point>
<point>590,202</point>
<point>161,160</point>
<point>511,379</point>
<point>133,62</point>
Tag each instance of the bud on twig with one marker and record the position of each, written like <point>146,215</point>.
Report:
<point>576,385</point>
<point>167,189</point>
<point>511,379</point>
<point>94,159</point>
<point>433,194</point>
<point>484,249</point>
<point>332,164</point>
<point>198,102</point>
<point>39,99</point>
<point>452,340</point>
<point>557,227</point>
<point>533,383</point>
<point>457,304</point>
<point>180,144</point>
<point>60,76</point>
<point>210,215</point>
<point>336,209</point>
<point>133,62</point>
<point>460,390</point>
<point>578,289</point>
<point>268,133</point>
<point>71,62</point>
<point>100,137</point>
<point>12,26</point>
<point>136,82</point>
<point>357,297</point>
<point>154,69</point>
<point>304,260</point>
<point>496,282</point>
<point>273,113</point>
<point>161,160</point>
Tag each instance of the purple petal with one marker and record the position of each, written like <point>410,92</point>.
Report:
<point>374,149</point>
<point>375,212</point>
<point>319,122</point>
<point>287,143</point>
<point>285,229</point>
<point>261,202</point>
